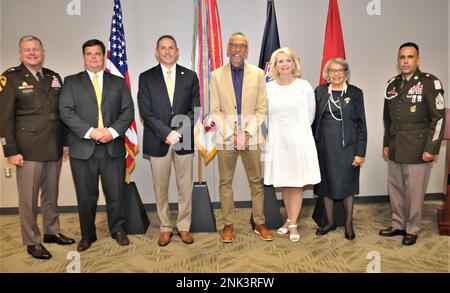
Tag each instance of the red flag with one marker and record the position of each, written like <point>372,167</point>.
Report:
<point>334,41</point>
<point>116,63</point>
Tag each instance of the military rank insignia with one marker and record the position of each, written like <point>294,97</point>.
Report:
<point>440,102</point>
<point>2,82</point>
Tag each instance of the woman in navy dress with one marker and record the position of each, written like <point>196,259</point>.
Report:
<point>341,139</point>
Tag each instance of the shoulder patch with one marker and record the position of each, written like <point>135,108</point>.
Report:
<point>2,82</point>
<point>437,84</point>
<point>440,102</point>
<point>11,69</point>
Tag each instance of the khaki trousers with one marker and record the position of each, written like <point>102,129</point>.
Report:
<point>407,184</point>
<point>161,169</point>
<point>252,164</point>
<point>32,177</point>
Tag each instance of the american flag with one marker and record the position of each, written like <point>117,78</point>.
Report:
<point>116,63</point>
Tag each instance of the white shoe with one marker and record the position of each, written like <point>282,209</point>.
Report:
<point>294,237</point>
<point>284,230</point>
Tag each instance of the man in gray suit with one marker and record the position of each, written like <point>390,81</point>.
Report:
<point>32,138</point>
<point>98,109</point>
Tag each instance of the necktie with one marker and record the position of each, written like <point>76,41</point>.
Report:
<point>169,85</point>
<point>404,82</point>
<point>98,94</point>
<point>40,78</point>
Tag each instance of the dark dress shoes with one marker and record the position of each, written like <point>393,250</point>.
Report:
<point>85,244</point>
<point>121,238</point>
<point>409,239</point>
<point>38,251</point>
<point>389,232</point>
<point>323,231</point>
<point>58,238</point>
<point>349,235</point>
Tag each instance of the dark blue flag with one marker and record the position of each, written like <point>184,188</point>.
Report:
<point>271,41</point>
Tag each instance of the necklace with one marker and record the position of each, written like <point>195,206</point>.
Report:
<point>337,102</point>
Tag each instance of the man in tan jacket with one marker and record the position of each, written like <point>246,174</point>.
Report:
<point>238,106</point>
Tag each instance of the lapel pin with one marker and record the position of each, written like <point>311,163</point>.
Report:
<point>182,72</point>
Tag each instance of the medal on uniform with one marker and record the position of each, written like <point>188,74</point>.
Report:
<point>26,86</point>
<point>55,82</point>
<point>347,100</point>
<point>419,98</point>
<point>413,109</point>
<point>413,100</point>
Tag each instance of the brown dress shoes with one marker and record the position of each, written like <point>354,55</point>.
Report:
<point>263,232</point>
<point>164,238</point>
<point>186,237</point>
<point>38,251</point>
<point>85,244</point>
<point>227,234</point>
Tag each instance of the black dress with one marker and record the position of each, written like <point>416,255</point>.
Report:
<point>339,178</point>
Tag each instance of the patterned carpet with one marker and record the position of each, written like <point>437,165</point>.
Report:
<point>329,253</point>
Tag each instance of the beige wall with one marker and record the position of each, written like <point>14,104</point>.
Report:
<point>371,44</point>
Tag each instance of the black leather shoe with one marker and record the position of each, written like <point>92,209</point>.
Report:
<point>85,244</point>
<point>121,238</point>
<point>322,231</point>
<point>389,232</point>
<point>349,235</point>
<point>409,239</point>
<point>38,251</point>
<point>58,238</point>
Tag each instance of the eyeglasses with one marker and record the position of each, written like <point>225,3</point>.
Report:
<point>334,71</point>
<point>240,46</point>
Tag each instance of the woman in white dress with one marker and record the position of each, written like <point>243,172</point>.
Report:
<point>290,155</point>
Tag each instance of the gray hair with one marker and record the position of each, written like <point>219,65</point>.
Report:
<point>340,61</point>
<point>238,34</point>
<point>28,38</point>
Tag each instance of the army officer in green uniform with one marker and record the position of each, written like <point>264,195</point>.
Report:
<point>32,135</point>
<point>413,130</point>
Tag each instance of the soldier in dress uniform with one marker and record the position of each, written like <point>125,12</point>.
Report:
<point>32,136</point>
<point>414,127</point>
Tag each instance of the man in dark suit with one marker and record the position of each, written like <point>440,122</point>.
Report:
<point>413,129</point>
<point>98,109</point>
<point>167,96</point>
<point>32,138</point>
